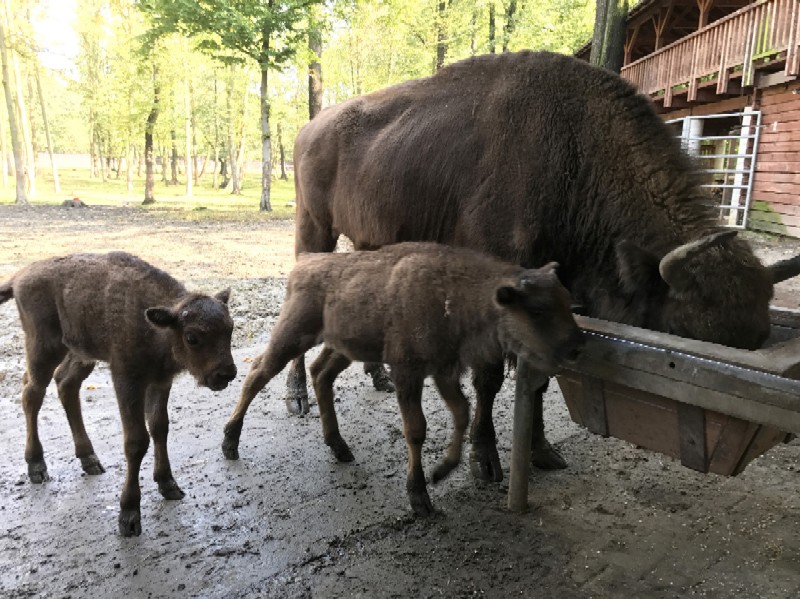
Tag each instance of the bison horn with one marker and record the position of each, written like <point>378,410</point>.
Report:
<point>785,269</point>
<point>673,266</point>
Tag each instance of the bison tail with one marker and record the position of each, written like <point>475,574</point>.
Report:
<point>6,291</point>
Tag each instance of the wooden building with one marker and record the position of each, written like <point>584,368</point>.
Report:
<point>725,74</point>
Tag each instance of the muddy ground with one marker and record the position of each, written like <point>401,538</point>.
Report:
<point>288,521</point>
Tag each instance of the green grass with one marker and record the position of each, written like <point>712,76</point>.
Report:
<point>206,202</point>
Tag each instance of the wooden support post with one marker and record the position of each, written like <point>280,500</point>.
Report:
<point>660,25</point>
<point>528,381</point>
<point>704,6</point>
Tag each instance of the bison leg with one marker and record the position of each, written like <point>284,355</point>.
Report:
<point>296,387</point>
<point>409,397</point>
<point>131,400</point>
<point>484,461</point>
<point>41,364</point>
<point>324,371</point>
<point>294,334</point>
<point>543,455</point>
<point>158,422</point>
<point>311,235</point>
<point>458,404</point>
<point>69,377</point>
<point>380,378</point>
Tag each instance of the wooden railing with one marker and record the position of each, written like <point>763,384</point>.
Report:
<point>766,30</point>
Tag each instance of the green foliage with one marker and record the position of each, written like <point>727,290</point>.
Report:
<point>367,45</point>
<point>375,43</point>
<point>230,30</point>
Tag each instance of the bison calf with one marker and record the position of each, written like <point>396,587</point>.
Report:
<point>423,309</point>
<point>146,325</point>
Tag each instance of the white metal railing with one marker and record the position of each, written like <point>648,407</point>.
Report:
<point>728,159</point>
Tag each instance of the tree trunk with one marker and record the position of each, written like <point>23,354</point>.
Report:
<point>314,71</point>
<point>4,150</point>
<point>234,175</point>
<point>510,24</point>
<point>223,171</point>
<point>202,170</point>
<point>492,29</point>
<point>240,155</point>
<point>441,33</point>
<point>608,38</point>
<point>193,127</point>
<point>473,32</point>
<point>282,151</point>
<point>162,152</point>
<point>56,184</point>
<point>216,135</point>
<point>266,142</point>
<point>16,143</point>
<point>25,129</point>
<point>129,169</point>
<point>216,164</point>
<point>187,104</point>
<point>92,148</point>
<point>150,178</point>
<point>173,159</point>
<point>101,158</point>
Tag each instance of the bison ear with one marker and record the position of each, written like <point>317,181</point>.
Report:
<point>224,295</point>
<point>506,295</point>
<point>637,268</point>
<point>161,317</point>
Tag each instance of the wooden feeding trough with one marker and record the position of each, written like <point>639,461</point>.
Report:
<point>713,407</point>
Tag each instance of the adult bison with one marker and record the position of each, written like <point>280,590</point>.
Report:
<point>534,157</point>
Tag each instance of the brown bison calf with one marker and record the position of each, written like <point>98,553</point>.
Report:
<point>147,326</point>
<point>423,309</point>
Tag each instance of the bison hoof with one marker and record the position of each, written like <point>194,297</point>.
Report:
<point>297,405</point>
<point>130,523</point>
<point>91,465</point>
<point>381,380</point>
<point>37,472</point>
<point>545,457</point>
<point>340,449</point>
<point>443,470</point>
<point>230,449</point>
<point>421,503</point>
<point>170,490</point>
<point>484,463</point>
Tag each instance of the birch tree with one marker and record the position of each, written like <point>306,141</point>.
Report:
<point>264,31</point>
<point>13,125</point>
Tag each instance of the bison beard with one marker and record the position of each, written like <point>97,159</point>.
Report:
<point>534,157</point>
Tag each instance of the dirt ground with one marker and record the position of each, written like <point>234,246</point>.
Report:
<point>288,521</point>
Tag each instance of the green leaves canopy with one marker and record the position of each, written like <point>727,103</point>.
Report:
<point>263,30</point>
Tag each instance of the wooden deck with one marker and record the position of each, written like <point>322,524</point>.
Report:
<point>724,56</point>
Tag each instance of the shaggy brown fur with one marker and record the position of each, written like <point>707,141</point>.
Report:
<point>533,157</point>
<point>423,309</point>
<point>116,308</point>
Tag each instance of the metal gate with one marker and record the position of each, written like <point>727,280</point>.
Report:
<point>726,146</point>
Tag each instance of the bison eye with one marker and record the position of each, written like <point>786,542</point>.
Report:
<point>192,339</point>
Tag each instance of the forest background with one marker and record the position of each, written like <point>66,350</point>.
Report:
<point>114,95</point>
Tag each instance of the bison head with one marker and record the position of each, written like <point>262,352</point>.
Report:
<point>201,337</point>
<point>713,289</point>
<point>537,323</point>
